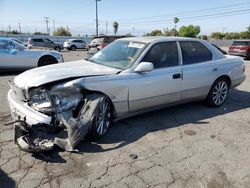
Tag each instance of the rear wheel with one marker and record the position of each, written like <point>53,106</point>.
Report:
<point>218,92</point>
<point>47,60</point>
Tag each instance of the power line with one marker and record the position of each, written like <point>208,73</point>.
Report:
<point>191,11</point>
<point>242,11</point>
<point>54,25</point>
<point>47,23</point>
<point>19,26</point>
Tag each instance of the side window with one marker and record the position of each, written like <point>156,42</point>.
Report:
<point>38,40</point>
<point>194,52</point>
<point>163,54</point>
<point>4,45</point>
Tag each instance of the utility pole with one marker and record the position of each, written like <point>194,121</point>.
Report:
<point>9,28</point>
<point>133,31</point>
<point>19,26</point>
<point>47,23</point>
<point>54,25</point>
<point>96,16</point>
<point>106,27</point>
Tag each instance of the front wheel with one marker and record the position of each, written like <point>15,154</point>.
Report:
<point>102,119</point>
<point>218,93</point>
<point>57,48</point>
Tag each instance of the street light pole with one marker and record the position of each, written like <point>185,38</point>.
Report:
<point>96,19</point>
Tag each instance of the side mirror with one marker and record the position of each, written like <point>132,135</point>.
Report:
<point>144,67</point>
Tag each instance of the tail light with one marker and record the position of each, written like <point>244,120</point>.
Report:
<point>101,46</point>
<point>244,48</point>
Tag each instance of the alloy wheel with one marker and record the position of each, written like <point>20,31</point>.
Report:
<point>220,92</point>
<point>103,118</point>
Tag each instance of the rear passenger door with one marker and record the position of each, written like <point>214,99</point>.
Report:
<point>199,70</point>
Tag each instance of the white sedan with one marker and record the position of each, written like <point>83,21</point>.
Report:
<point>128,77</point>
<point>14,55</point>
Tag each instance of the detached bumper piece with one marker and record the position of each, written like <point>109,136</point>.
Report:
<point>32,139</point>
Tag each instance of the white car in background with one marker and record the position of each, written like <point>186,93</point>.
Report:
<point>14,55</point>
<point>73,44</point>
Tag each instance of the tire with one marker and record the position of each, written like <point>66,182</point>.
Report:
<point>218,92</point>
<point>102,120</point>
<point>47,60</point>
<point>73,48</point>
<point>57,48</point>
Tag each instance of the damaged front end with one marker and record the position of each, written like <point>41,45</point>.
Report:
<point>72,111</point>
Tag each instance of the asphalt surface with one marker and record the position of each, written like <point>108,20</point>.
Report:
<point>190,145</point>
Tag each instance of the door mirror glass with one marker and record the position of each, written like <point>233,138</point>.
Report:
<point>144,67</point>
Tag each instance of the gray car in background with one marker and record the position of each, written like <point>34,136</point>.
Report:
<point>44,43</point>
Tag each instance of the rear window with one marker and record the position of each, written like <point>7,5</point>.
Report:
<point>241,43</point>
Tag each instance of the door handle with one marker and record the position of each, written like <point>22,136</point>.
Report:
<point>177,76</point>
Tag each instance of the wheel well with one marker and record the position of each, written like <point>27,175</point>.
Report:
<point>226,78</point>
<point>110,101</point>
<point>45,56</point>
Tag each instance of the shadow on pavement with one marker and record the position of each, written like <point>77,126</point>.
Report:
<point>11,73</point>
<point>50,156</point>
<point>6,181</point>
<point>130,130</point>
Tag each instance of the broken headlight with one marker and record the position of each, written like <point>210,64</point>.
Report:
<point>49,102</point>
<point>39,98</point>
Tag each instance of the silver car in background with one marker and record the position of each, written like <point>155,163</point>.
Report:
<point>14,55</point>
<point>128,77</point>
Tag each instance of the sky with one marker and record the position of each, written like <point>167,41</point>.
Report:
<point>133,16</point>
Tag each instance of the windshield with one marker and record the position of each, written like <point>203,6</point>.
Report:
<point>119,54</point>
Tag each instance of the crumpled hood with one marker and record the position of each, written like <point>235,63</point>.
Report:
<point>42,75</point>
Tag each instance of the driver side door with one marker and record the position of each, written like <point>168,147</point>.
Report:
<point>162,85</point>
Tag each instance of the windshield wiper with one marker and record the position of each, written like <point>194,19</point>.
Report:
<point>90,60</point>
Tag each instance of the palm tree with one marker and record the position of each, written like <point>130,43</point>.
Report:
<point>115,26</point>
<point>176,20</point>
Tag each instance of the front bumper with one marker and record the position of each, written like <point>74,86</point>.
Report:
<point>21,111</point>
